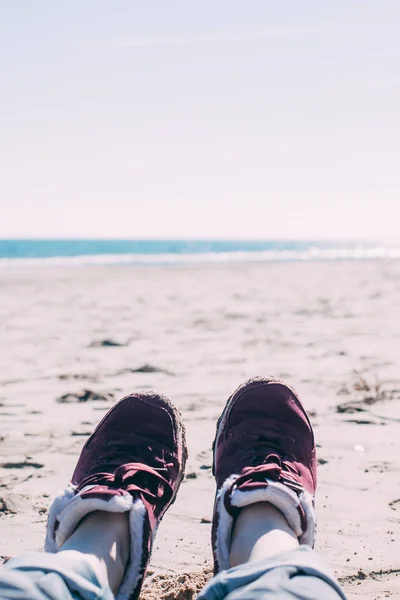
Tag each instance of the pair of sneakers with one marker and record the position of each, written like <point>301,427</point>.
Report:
<point>134,462</point>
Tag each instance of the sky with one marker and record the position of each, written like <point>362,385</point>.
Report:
<point>202,119</point>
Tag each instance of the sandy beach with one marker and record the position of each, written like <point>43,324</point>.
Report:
<point>76,339</point>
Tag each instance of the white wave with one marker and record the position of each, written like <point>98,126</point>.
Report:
<point>310,254</point>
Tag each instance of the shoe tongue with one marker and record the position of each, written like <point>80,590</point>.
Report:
<point>252,476</point>
<point>102,492</point>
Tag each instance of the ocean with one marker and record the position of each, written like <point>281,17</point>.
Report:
<point>14,253</point>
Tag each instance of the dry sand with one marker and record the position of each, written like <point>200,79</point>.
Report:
<point>330,329</point>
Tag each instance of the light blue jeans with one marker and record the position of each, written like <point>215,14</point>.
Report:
<point>38,576</point>
<point>296,575</point>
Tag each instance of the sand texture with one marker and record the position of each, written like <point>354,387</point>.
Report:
<point>74,340</point>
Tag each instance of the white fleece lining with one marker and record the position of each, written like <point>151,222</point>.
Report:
<point>133,571</point>
<point>224,526</point>
<point>277,494</point>
<point>285,499</point>
<point>307,503</point>
<point>69,508</point>
<point>57,506</point>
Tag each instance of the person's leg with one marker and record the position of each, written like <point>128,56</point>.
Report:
<point>102,539</point>
<point>270,563</point>
<point>264,518</point>
<point>260,531</point>
<point>100,530</point>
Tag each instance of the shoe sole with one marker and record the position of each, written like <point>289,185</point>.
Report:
<point>181,442</point>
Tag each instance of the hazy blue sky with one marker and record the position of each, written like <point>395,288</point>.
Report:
<point>211,118</point>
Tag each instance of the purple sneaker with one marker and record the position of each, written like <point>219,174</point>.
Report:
<point>133,462</point>
<point>264,451</point>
